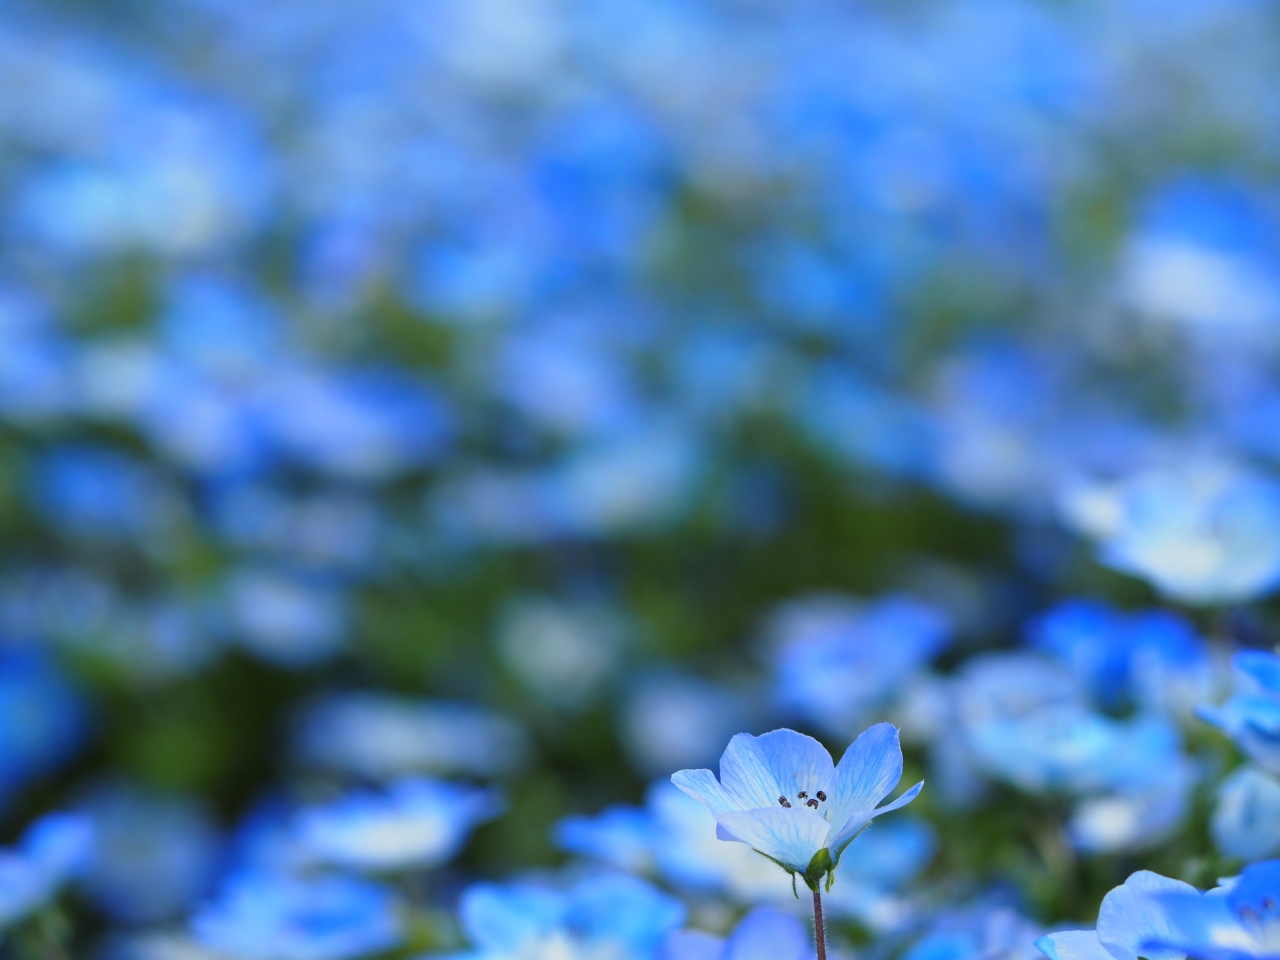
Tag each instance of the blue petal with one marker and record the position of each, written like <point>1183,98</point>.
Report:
<point>502,919</point>
<point>691,945</point>
<point>1261,667</point>
<point>1131,915</point>
<point>869,769</point>
<point>766,933</point>
<point>791,837</point>
<point>849,829</point>
<point>1073,945</point>
<point>756,771</point>
<point>703,786</point>
<point>1201,925</point>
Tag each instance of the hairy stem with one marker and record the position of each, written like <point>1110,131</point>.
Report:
<point>819,929</point>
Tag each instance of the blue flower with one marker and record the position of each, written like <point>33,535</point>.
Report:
<point>766,933</point>
<point>1238,921</point>
<point>379,736</point>
<point>52,851</point>
<point>156,854</point>
<point>1251,717</point>
<point>1246,818</point>
<point>781,795</point>
<point>837,660</point>
<point>1153,657</point>
<point>43,719</point>
<point>979,932</point>
<point>1204,533</point>
<point>609,914</point>
<point>266,916</point>
<point>413,823</point>
<point>1129,919</point>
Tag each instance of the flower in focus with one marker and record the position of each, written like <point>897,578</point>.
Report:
<point>266,916</point>
<point>53,850</point>
<point>609,915</point>
<point>415,822</point>
<point>765,933</point>
<point>781,795</point>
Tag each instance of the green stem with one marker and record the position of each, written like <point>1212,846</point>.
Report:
<point>819,929</point>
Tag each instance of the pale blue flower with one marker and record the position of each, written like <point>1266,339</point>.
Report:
<point>378,736</point>
<point>837,660</point>
<point>156,853</point>
<point>268,916</point>
<point>597,915</point>
<point>979,932</point>
<point>1246,817</point>
<point>1238,921</point>
<point>1251,717</point>
<point>766,933</point>
<point>781,795</point>
<point>414,822</point>
<point>1128,920</point>
<point>1206,532</point>
<point>52,851</point>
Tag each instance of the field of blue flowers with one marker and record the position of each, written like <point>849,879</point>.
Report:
<point>470,469</point>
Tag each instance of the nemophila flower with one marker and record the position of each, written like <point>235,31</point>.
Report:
<point>1251,716</point>
<point>1203,533</point>
<point>156,853</point>
<point>414,822</point>
<point>674,836</point>
<point>269,916</point>
<point>1246,817</point>
<point>781,795</point>
<point>977,933</point>
<point>598,915</point>
<point>43,718</point>
<point>1238,921</point>
<point>379,736</point>
<point>1153,658</point>
<point>837,659</point>
<point>1130,920</point>
<point>53,850</point>
<point>670,720</point>
<point>765,933</point>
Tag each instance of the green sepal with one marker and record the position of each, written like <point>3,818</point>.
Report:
<point>821,865</point>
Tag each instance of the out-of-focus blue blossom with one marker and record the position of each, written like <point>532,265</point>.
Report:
<point>772,795</point>
<point>977,932</point>
<point>1201,533</point>
<point>838,660</point>
<point>1137,816</point>
<point>1130,920</point>
<point>671,721</point>
<point>96,492</point>
<point>265,916</point>
<point>1237,920</point>
<point>1203,257</point>
<point>1251,717</point>
<point>156,854</point>
<point>413,823</point>
<point>611,914</point>
<point>337,529</point>
<point>562,652</point>
<point>378,736</point>
<point>43,718</point>
<point>1153,658</point>
<point>1246,817</point>
<point>765,933</point>
<point>364,425</point>
<point>286,618</point>
<point>53,850</point>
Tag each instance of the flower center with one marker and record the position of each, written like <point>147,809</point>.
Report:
<point>818,798</point>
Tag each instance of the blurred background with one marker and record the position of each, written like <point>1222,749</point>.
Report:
<point>480,409</point>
